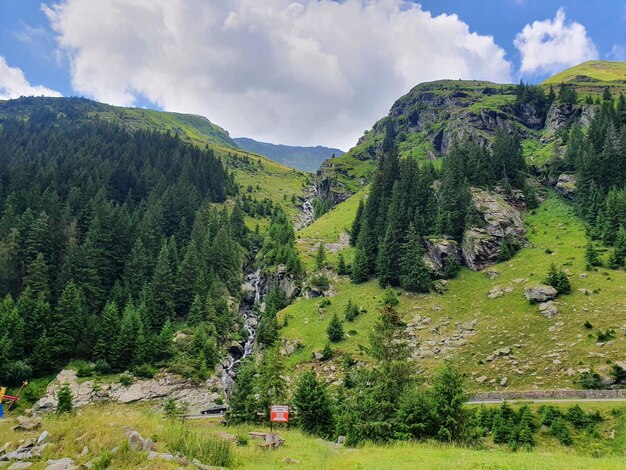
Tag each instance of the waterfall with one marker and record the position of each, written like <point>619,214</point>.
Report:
<point>250,320</point>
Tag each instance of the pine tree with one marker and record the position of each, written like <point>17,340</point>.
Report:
<point>592,258</point>
<point>449,396</point>
<point>242,403</point>
<point>342,269</point>
<point>124,348</point>
<point>620,246</point>
<point>67,323</point>
<point>414,274</point>
<point>356,225</point>
<point>320,256</point>
<point>271,385</point>
<point>335,329</point>
<point>313,407</point>
<point>162,290</point>
<point>352,311</point>
<point>38,277</point>
<point>108,330</point>
<point>136,271</point>
<point>360,267</point>
<point>387,340</point>
<point>196,312</point>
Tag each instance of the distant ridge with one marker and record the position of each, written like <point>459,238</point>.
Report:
<point>300,158</point>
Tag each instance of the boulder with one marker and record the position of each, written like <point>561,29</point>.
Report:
<point>548,309</point>
<point>26,423</point>
<point>20,466</point>
<point>135,441</point>
<point>540,293</point>
<point>438,252</point>
<point>492,273</point>
<point>160,455</point>
<point>60,464</point>
<point>248,293</point>
<point>500,222</point>
<point>566,186</point>
<point>42,437</point>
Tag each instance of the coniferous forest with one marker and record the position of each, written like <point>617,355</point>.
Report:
<point>107,239</point>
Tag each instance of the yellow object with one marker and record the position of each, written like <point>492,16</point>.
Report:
<point>2,392</point>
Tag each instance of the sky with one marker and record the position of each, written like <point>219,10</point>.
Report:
<point>297,72</point>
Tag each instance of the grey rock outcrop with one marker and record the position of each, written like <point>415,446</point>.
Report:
<point>560,116</point>
<point>439,252</point>
<point>540,293</point>
<point>197,396</point>
<point>501,223</point>
<point>566,186</point>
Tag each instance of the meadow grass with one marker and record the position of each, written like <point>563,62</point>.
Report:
<point>102,428</point>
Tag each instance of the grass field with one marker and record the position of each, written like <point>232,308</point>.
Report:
<point>102,427</point>
<point>542,349</point>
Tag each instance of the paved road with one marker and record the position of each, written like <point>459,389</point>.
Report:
<point>541,400</point>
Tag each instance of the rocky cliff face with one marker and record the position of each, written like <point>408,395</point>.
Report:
<point>439,112</point>
<point>501,223</point>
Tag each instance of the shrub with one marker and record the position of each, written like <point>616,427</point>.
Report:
<point>174,411</point>
<point>320,281</point>
<point>327,353</point>
<point>560,430</point>
<point>102,367</point>
<point>84,370</point>
<point>558,279</point>
<point>145,371</point>
<point>604,336</point>
<point>64,400</point>
<point>352,311</point>
<point>126,379</point>
<point>589,381</point>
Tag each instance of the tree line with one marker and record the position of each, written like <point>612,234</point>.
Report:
<point>408,202</point>
<point>597,156</point>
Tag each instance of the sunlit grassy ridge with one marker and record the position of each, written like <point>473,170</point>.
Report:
<point>542,349</point>
<point>594,70</point>
<point>103,427</point>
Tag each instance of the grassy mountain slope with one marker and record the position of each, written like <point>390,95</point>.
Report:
<point>432,114</point>
<point>591,71</point>
<point>300,158</point>
<point>266,177</point>
<point>542,350</point>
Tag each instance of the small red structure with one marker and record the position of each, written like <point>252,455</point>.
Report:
<point>279,414</point>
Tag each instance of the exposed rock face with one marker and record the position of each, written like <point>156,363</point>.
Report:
<point>566,186</point>
<point>284,280</point>
<point>560,116</point>
<point>440,251</point>
<point>501,223</point>
<point>197,396</point>
<point>540,293</point>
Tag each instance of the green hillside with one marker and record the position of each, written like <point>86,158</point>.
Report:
<point>556,236</point>
<point>265,177</point>
<point>590,72</point>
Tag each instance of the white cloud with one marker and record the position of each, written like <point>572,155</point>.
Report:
<point>618,52</point>
<point>13,84</point>
<point>549,46</point>
<point>297,72</point>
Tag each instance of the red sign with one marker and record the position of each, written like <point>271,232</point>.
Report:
<point>279,414</point>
